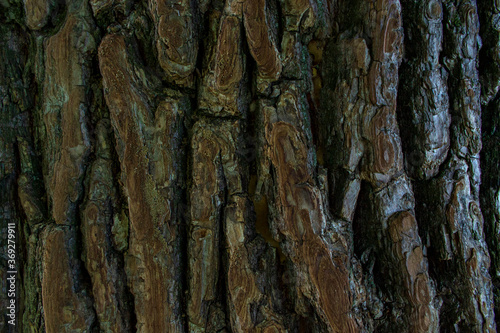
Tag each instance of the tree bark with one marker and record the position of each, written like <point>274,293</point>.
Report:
<point>250,166</point>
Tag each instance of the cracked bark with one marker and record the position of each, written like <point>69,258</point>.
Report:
<point>251,166</point>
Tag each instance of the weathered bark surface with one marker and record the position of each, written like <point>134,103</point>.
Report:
<point>251,165</point>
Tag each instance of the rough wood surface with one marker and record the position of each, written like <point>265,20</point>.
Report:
<point>251,165</point>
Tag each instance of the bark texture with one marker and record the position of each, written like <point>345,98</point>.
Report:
<point>251,165</point>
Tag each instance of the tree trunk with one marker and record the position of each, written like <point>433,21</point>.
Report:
<point>250,166</point>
